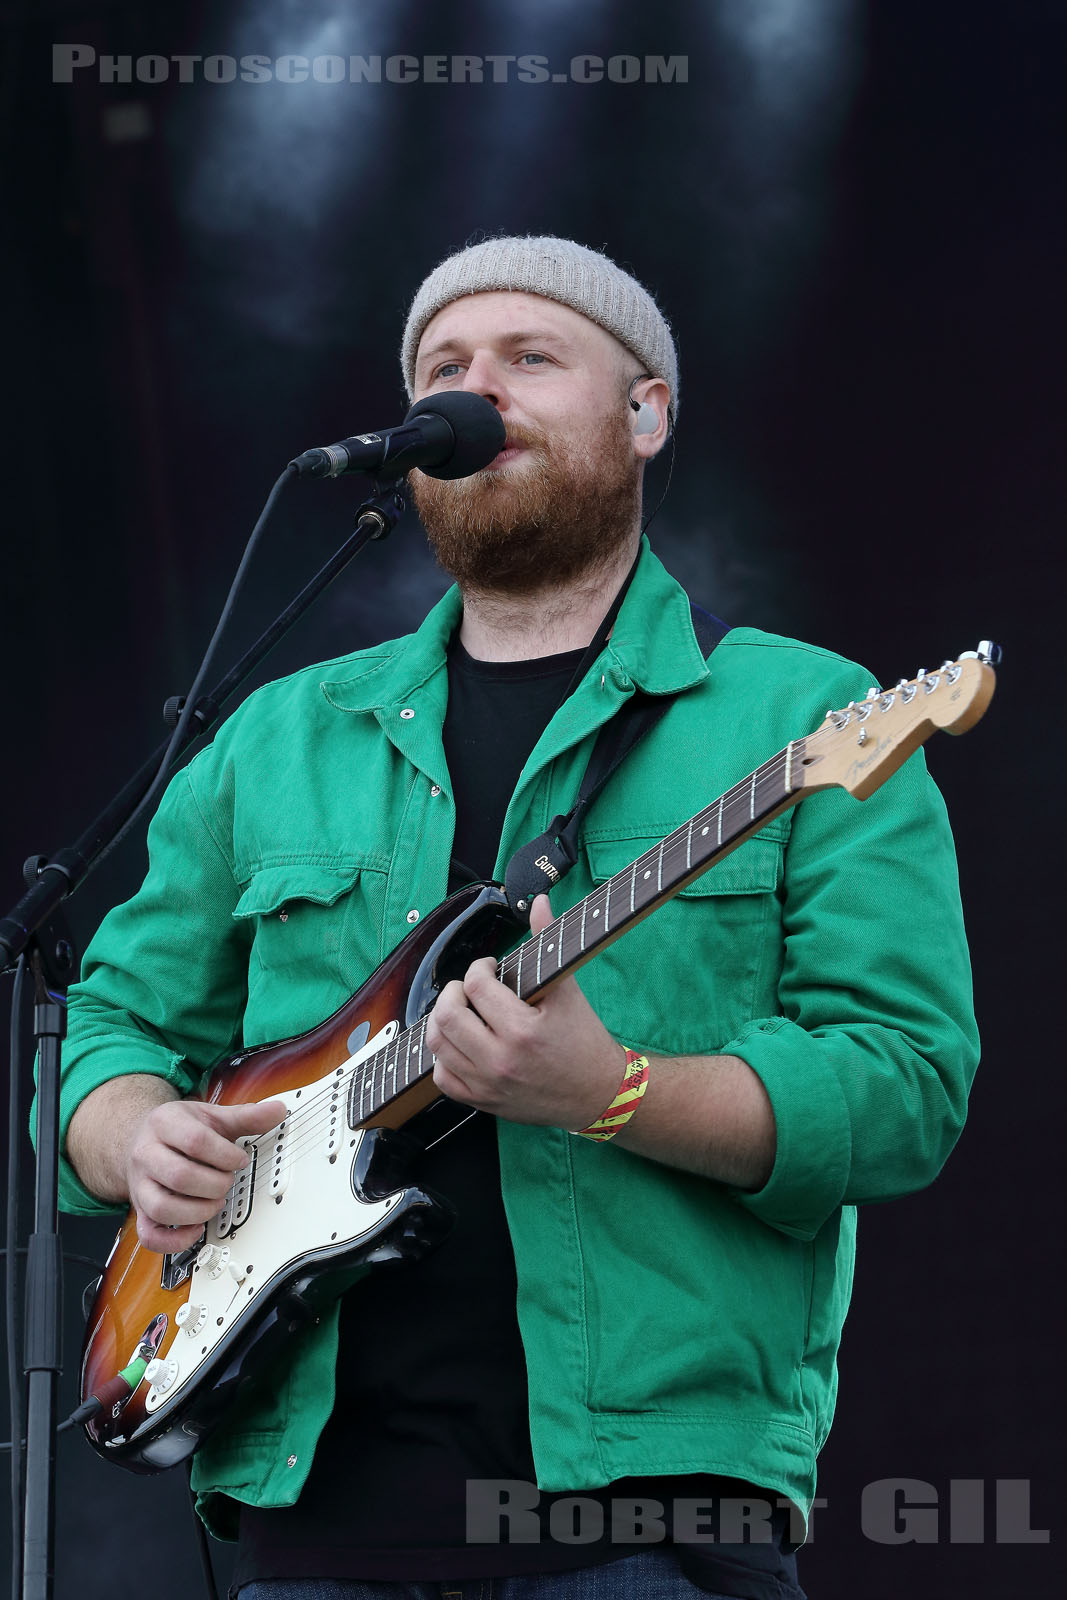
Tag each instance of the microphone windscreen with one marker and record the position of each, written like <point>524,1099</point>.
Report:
<point>478,427</point>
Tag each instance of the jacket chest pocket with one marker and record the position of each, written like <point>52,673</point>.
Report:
<point>687,978</point>
<point>314,939</point>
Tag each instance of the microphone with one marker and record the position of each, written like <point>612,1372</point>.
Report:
<point>446,435</point>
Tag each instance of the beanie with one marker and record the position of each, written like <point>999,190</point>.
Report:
<point>560,270</point>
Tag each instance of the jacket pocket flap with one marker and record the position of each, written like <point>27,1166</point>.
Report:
<point>273,887</point>
<point>755,867</point>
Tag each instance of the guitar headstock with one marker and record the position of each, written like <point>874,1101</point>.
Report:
<point>858,747</point>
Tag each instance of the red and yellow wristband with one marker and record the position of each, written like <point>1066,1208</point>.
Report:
<point>625,1103</point>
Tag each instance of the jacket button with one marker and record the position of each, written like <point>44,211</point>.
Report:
<point>435,788</point>
<point>291,1461</point>
<point>413,916</point>
<point>407,713</point>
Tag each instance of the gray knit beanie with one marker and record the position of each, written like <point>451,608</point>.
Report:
<point>561,270</point>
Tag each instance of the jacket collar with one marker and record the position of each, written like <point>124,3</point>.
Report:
<point>388,674</point>
<point>652,646</point>
<point>653,640</point>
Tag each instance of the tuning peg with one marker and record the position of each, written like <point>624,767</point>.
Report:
<point>988,653</point>
<point>873,692</point>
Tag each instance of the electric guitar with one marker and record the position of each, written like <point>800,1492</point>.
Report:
<point>172,1340</point>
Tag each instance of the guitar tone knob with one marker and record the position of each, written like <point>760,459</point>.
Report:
<point>191,1317</point>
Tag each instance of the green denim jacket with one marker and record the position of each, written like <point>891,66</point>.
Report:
<point>670,1325</point>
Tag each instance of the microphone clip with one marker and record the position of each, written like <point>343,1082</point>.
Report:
<point>378,515</point>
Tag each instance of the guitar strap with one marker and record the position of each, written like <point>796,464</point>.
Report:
<point>536,866</point>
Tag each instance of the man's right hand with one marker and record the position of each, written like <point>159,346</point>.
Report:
<point>180,1165</point>
<point>173,1160</point>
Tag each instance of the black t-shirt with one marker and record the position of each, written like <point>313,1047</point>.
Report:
<point>497,711</point>
<point>431,1374</point>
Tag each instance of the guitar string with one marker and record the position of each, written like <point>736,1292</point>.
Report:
<point>305,1134</point>
<point>310,1136</point>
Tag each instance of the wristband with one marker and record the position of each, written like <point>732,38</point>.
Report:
<point>625,1103</point>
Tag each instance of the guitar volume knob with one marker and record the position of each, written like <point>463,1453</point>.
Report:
<point>212,1260</point>
<point>161,1373</point>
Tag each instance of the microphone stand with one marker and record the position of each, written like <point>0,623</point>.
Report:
<point>34,930</point>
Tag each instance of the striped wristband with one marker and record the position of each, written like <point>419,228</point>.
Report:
<point>625,1103</point>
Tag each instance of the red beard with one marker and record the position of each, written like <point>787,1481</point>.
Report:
<point>563,510</point>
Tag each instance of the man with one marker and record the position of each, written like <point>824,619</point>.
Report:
<point>648,1317</point>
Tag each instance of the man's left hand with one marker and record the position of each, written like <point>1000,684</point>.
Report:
<point>552,1062</point>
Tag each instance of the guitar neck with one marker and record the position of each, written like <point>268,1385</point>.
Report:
<point>595,922</point>
<point>623,900</point>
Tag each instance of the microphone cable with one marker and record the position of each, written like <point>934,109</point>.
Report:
<point>188,710</point>
<point>670,473</point>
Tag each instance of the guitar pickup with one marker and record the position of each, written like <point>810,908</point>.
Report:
<point>238,1203</point>
<point>276,1160</point>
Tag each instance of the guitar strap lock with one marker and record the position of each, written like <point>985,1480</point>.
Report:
<point>537,867</point>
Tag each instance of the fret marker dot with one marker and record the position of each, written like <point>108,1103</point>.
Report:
<point>551,947</point>
<point>648,874</point>
<point>596,913</point>
<point>703,830</point>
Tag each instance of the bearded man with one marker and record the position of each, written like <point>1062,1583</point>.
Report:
<point>615,1375</point>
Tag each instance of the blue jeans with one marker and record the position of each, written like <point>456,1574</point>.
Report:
<point>648,1575</point>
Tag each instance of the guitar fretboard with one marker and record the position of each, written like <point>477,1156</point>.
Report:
<point>597,920</point>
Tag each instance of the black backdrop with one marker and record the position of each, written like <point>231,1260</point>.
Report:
<point>853,214</point>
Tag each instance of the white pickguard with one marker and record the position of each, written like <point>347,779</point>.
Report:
<point>295,1200</point>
